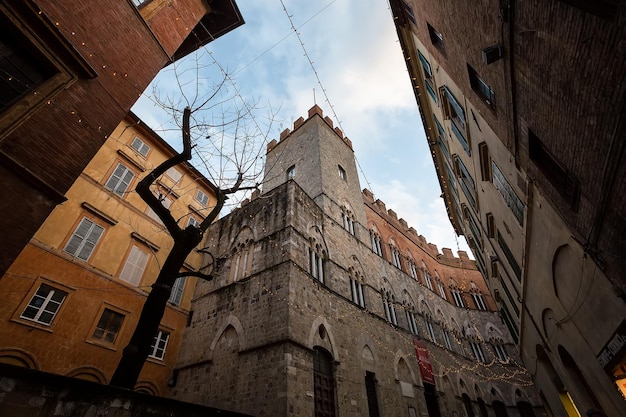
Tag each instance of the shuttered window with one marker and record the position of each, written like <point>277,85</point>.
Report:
<point>120,180</point>
<point>135,265</point>
<point>84,239</point>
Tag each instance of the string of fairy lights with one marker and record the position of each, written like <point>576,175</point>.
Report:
<point>444,362</point>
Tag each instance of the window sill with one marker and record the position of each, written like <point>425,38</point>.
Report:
<point>32,324</point>
<point>103,345</point>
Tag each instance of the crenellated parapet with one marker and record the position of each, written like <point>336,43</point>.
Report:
<point>313,111</point>
<point>390,216</point>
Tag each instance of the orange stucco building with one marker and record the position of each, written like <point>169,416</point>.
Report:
<point>73,296</point>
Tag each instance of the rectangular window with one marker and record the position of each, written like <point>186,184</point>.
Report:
<point>44,305</point>
<point>467,182</point>
<point>192,221</point>
<point>135,266</point>
<point>456,114</point>
<point>410,319</point>
<point>446,339</point>
<point>372,396</point>
<point>202,198</point>
<point>431,331</point>
<point>429,281</point>
<point>428,77</point>
<point>120,179</point>
<point>357,293</point>
<point>509,257</point>
<point>481,88</point>
<point>491,225</point>
<point>140,146</point>
<point>561,179</point>
<point>409,12</point>
<point>436,38</point>
<point>108,326</point>
<point>84,239</point>
<point>174,174</point>
<point>442,291</point>
<point>478,352</point>
<point>506,316</point>
<point>500,352</point>
<point>458,298</point>
<point>177,291</point>
<point>506,191</point>
<point>342,173</point>
<point>485,162</point>
<point>479,301</point>
<point>291,172</point>
<point>159,344</point>
<point>509,296</point>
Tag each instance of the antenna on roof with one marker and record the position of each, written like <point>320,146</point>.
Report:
<point>314,102</point>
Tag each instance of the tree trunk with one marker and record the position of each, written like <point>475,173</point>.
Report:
<point>138,349</point>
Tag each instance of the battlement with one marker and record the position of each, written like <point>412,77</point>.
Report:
<point>391,217</point>
<point>313,111</point>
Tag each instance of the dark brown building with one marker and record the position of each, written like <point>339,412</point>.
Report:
<point>69,72</point>
<point>523,107</point>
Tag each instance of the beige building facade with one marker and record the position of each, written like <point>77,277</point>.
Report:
<point>74,294</point>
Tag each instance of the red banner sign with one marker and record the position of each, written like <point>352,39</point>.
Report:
<point>423,357</point>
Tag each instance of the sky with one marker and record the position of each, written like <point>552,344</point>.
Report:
<point>357,76</point>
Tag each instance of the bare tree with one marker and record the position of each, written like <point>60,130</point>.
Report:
<point>231,161</point>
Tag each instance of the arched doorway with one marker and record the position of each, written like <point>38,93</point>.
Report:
<point>500,409</point>
<point>467,402</point>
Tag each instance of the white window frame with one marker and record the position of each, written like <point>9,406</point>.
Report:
<point>135,266</point>
<point>395,257</point>
<point>428,279</point>
<point>356,289</point>
<point>342,173</point>
<point>202,198</point>
<point>500,352</point>
<point>84,239</point>
<point>479,301</point>
<point>140,146</point>
<point>431,331</point>
<point>176,295</point>
<point>44,304</point>
<point>477,351</point>
<point>390,311</point>
<point>193,221</point>
<point>410,318</point>
<point>174,174</point>
<point>442,291</point>
<point>120,179</point>
<point>458,298</point>
<point>446,339</point>
<point>159,345</point>
<point>375,239</point>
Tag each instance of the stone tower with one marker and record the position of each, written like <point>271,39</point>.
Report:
<point>320,297</point>
<point>321,160</point>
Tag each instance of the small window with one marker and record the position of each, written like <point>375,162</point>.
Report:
<point>159,344</point>
<point>446,339</point>
<point>342,173</point>
<point>560,177</point>
<point>485,161</point>
<point>140,146</point>
<point>478,352</point>
<point>479,301</point>
<point>508,194</point>
<point>174,174</point>
<point>357,292</point>
<point>139,3</point>
<point>436,38</point>
<point>500,352</point>
<point>291,172</point>
<point>108,326</point>
<point>456,113</point>
<point>176,294</point>
<point>458,298</point>
<point>84,239</point>
<point>135,266</point>
<point>44,305</point>
<point>410,319</point>
<point>491,225</point>
<point>202,198</point>
<point>410,14</point>
<point>481,88</point>
<point>428,77</point>
<point>192,221</point>
<point>120,179</point>
<point>442,290</point>
<point>431,331</point>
